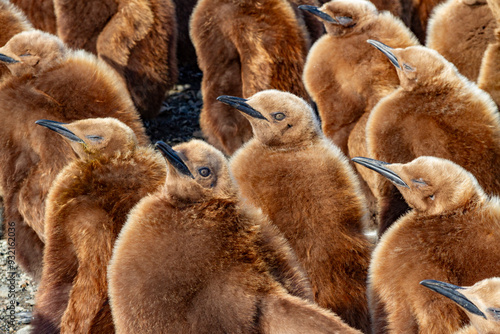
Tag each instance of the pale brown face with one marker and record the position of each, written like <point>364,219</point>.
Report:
<point>278,119</point>
<point>95,136</point>
<point>196,171</point>
<point>342,17</point>
<point>418,67</point>
<point>428,184</point>
<point>32,52</point>
<point>481,301</point>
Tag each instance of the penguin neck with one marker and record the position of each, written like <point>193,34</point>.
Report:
<point>293,145</point>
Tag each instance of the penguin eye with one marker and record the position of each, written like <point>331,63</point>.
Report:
<point>204,171</point>
<point>495,312</point>
<point>408,67</point>
<point>25,54</point>
<point>279,116</point>
<point>432,197</point>
<point>94,138</point>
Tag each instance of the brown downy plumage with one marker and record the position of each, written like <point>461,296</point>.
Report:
<point>436,111</point>
<point>346,77</point>
<point>451,234</point>
<point>489,74</point>
<point>343,74</point>
<point>393,6</point>
<point>310,192</point>
<point>414,13</point>
<point>48,81</point>
<point>460,31</point>
<point>314,27</point>
<point>86,208</point>
<point>481,302</point>
<point>244,47</point>
<point>40,13</point>
<point>12,22</point>
<point>223,269</point>
<point>138,38</point>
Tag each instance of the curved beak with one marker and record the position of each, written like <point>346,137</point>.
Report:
<point>60,129</point>
<point>173,158</point>
<point>240,104</point>
<point>7,59</point>
<point>380,167</point>
<point>315,11</point>
<point>451,291</point>
<point>385,50</point>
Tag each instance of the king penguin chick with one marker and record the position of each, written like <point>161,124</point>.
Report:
<point>450,213</point>
<point>460,30</point>
<point>436,111</point>
<point>223,269</point>
<point>40,13</point>
<point>310,192</point>
<point>12,22</point>
<point>86,207</point>
<point>343,74</point>
<point>48,81</point>
<point>138,38</point>
<point>489,74</point>
<point>346,77</point>
<point>244,47</point>
<point>481,302</point>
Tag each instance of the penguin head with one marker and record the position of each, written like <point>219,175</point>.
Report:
<point>197,171</point>
<point>278,119</point>
<point>32,52</point>
<point>430,185</point>
<point>481,301</point>
<point>343,17</point>
<point>94,137</point>
<point>419,67</point>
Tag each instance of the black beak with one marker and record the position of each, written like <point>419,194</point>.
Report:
<point>7,59</point>
<point>380,167</point>
<point>240,104</point>
<point>173,158</point>
<point>451,291</point>
<point>315,11</point>
<point>385,50</point>
<point>60,129</point>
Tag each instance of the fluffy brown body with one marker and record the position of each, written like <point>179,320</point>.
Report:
<point>51,83</point>
<point>40,13</point>
<point>224,268</point>
<point>244,47</point>
<point>489,74</point>
<point>450,214</point>
<point>86,208</point>
<point>12,22</point>
<point>314,27</point>
<point>346,76</point>
<point>138,38</point>
<point>460,31</point>
<point>310,192</point>
<point>435,112</point>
